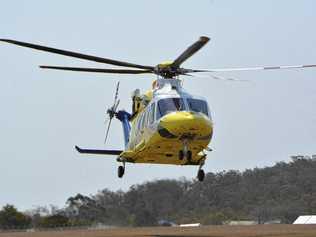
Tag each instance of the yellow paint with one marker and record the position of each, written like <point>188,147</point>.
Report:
<point>165,64</point>
<point>155,149</point>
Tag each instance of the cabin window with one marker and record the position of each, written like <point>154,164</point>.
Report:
<point>168,105</point>
<point>152,113</point>
<point>198,106</point>
<point>144,119</point>
<point>139,122</point>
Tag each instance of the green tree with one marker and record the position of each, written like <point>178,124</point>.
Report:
<point>281,192</point>
<point>54,221</point>
<point>11,218</point>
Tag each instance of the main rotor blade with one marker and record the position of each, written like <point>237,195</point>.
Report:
<point>217,78</point>
<point>76,55</point>
<point>252,68</point>
<point>190,51</point>
<point>98,70</point>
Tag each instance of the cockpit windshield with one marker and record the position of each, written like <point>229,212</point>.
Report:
<point>198,106</point>
<point>168,105</point>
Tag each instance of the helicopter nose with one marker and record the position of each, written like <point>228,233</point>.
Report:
<point>185,124</point>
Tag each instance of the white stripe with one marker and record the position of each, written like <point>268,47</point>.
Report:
<point>256,68</point>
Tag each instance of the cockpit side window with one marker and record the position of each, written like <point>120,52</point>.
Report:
<point>168,105</point>
<point>198,106</point>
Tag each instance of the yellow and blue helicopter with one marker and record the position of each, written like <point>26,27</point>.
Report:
<point>167,125</point>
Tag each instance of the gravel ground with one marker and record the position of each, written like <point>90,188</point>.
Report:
<point>214,231</point>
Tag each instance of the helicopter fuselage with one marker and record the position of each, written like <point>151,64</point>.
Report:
<point>175,127</point>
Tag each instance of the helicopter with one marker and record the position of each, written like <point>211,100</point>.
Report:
<point>167,124</point>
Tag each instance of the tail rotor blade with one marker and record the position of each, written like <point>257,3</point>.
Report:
<point>106,120</point>
<point>107,131</point>
<point>116,92</point>
<point>116,105</point>
<point>112,111</point>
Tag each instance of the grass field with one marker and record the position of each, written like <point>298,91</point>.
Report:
<point>214,231</point>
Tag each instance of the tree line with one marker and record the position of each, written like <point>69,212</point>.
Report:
<point>281,192</point>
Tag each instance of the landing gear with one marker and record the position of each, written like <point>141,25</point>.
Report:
<point>201,174</point>
<point>185,153</point>
<point>121,170</point>
<point>181,155</point>
<point>189,155</point>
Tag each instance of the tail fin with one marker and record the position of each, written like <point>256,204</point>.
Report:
<point>124,117</point>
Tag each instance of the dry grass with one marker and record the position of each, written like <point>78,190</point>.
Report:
<point>214,231</point>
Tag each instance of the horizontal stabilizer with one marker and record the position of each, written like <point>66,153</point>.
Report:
<point>98,152</point>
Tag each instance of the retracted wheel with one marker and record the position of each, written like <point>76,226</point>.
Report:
<point>201,175</point>
<point>181,155</point>
<point>189,155</point>
<point>120,171</point>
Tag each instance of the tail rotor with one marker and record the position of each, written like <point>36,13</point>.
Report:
<point>111,112</point>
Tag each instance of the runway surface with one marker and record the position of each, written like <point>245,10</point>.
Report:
<point>213,231</point>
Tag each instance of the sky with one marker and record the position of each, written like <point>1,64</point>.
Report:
<point>44,114</point>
